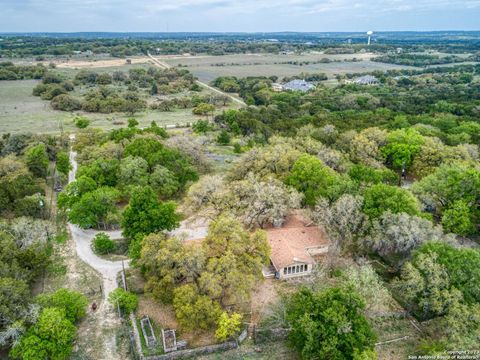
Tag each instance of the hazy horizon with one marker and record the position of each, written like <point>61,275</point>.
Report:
<point>249,16</point>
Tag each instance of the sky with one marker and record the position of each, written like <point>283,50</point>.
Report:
<point>237,15</point>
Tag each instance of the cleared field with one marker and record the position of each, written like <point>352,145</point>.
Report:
<point>207,68</point>
<point>80,62</point>
<point>77,64</point>
<point>20,111</point>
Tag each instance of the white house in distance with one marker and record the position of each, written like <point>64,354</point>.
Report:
<point>298,85</point>
<point>295,247</point>
<point>366,80</point>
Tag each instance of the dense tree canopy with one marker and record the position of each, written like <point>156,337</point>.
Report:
<point>50,338</point>
<point>380,198</point>
<point>145,214</point>
<point>329,324</point>
<point>200,280</point>
<point>311,177</point>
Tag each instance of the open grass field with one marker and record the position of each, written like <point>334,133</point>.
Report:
<point>207,68</point>
<point>20,111</point>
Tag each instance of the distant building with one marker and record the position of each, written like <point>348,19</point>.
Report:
<point>366,80</point>
<point>298,85</point>
<point>277,87</point>
<point>295,247</point>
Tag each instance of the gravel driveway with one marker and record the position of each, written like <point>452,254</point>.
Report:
<point>83,239</point>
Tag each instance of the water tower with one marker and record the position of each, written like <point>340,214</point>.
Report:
<point>369,34</point>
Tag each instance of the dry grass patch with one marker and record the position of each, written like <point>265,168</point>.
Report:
<point>265,294</point>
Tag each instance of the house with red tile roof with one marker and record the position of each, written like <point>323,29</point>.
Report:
<point>295,247</point>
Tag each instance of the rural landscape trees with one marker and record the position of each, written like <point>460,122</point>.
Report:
<point>389,173</point>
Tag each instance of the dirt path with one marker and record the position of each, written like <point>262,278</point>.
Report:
<point>164,65</point>
<point>103,323</point>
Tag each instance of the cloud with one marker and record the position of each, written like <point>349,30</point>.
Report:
<point>235,15</point>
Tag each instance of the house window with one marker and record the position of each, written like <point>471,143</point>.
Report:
<point>284,271</point>
<point>289,270</point>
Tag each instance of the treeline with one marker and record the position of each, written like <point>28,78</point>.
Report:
<point>427,99</point>
<point>419,59</point>
<point>43,325</point>
<point>189,102</point>
<point>221,44</point>
<point>40,47</point>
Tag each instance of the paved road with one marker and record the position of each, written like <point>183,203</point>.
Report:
<point>164,65</point>
<point>83,239</point>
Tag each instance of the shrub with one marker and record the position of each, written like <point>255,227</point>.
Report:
<point>237,148</point>
<point>81,122</point>
<point>458,218</point>
<point>102,244</point>
<point>228,326</point>
<point>33,206</point>
<point>51,78</point>
<point>127,301</point>
<point>201,126</point>
<point>73,302</point>
<point>223,138</point>
<point>66,102</point>
<point>51,91</point>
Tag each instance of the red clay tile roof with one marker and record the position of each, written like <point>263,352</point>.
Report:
<point>291,242</point>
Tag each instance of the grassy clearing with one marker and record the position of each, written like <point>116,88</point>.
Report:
<point>396,328</point>
<point>68,271</point>
<point>207,68</point>
<point>20,111</point>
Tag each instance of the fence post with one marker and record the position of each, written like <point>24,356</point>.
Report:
<point>124,277</point>
<point>255,334</point>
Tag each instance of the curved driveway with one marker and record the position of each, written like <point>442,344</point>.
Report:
<point>83,240</point>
